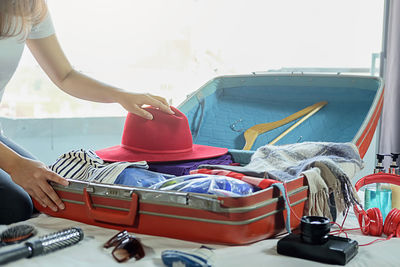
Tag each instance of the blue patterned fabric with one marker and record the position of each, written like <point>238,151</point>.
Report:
<point>140,177</point>
<point>207,184</point>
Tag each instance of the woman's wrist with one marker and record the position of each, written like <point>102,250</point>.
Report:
<point>10,160</point>
<point>117,96</point>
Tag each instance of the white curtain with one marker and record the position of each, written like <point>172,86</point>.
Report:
<point>390,124</point>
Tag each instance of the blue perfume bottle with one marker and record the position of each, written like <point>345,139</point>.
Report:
<point>378,195</point>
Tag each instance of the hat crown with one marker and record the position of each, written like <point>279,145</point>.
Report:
<point>165,138</point>
<point>165,133</point>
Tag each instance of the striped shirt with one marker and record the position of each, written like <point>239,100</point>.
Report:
<point>85,165</point>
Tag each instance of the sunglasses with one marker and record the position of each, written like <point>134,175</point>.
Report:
<point>126,246</point>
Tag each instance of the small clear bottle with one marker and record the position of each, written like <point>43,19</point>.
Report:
<point>378,195</point>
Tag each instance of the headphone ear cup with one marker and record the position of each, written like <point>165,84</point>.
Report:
<point>376,221</point>
<point>392,222</point>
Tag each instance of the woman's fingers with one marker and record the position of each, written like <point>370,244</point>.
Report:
<point>133,103</point>
<point>51,195</point>
<point>161,99</point>
<point>33,195</point>
<point>47,192</point>
<point>52,176</point>
<point>43,191</point>
<point>39,193</point>
<point>159,102</point>
<point>142,112</point>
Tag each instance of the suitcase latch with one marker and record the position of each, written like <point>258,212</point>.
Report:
<point>90,189</point>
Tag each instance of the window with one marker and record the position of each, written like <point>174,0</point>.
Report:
<point>171,48</point>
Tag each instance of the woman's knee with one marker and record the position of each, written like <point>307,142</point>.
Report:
<point>15,204</point>
<point>20,209</point>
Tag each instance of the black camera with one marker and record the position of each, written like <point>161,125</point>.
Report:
<point>314,243</point>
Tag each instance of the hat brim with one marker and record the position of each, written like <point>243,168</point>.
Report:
<point>119,153</point>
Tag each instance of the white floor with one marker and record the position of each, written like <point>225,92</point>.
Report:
<point>89,252</point>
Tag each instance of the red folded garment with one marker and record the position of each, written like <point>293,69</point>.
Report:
<point>260,182</point>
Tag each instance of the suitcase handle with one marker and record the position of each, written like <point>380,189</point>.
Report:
<point>104,216</point>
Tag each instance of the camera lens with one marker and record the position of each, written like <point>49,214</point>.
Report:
<point>314,229</point>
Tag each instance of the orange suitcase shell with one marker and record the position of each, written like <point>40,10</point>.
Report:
<point>189,216</point>
<point>351,115</point>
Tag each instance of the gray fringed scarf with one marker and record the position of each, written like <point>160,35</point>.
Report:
<point>328,168</point>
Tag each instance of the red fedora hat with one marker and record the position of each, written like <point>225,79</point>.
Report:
<point>164,138</point>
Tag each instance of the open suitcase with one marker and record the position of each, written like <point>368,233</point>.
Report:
<point>217,113</point>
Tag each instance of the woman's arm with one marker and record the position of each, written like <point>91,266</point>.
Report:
<point>53,61</point>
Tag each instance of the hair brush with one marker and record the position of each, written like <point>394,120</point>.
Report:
<point>16,234</point>
<point>43,245</point>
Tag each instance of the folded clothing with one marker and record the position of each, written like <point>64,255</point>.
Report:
<point>207,184</point>
<point>328,168</point>
<point>259,182</point>
<point>85,165</point>
<point>180,168</point>
<point>140,177</point>
<point>201,257</point>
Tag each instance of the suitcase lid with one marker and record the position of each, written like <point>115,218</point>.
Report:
<point>221,110</point>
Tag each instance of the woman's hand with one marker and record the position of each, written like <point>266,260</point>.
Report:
<point>133,103</point>
<point>33,177</point>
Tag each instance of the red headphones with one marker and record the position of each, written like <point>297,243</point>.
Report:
<point>371,221</point>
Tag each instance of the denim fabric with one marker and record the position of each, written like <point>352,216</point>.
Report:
<point>15,204</point>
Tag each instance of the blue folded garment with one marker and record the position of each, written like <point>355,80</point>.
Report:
<point>201,257</point>
<point>140,177</point>
<point>207,184</point>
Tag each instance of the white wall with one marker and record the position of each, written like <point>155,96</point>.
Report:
<point>49,138</point>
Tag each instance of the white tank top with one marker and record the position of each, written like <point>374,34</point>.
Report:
<point>11,50</point>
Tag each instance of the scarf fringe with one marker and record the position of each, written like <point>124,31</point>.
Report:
<point>317,204</point>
